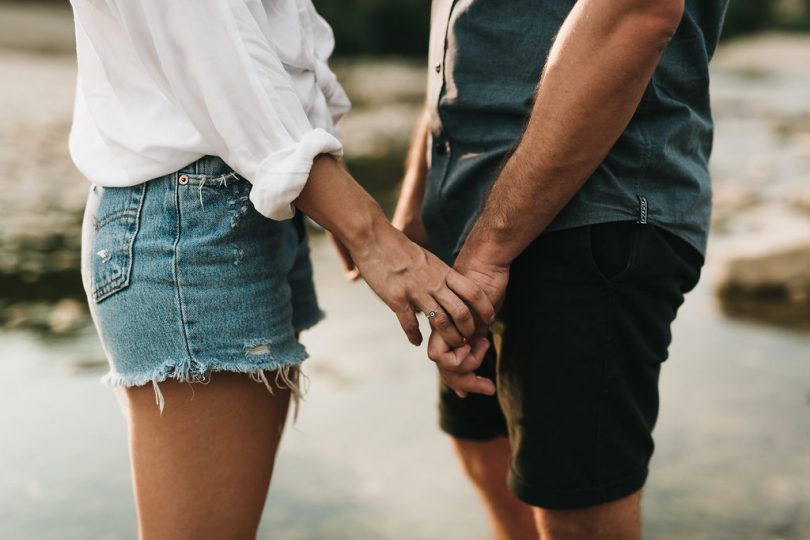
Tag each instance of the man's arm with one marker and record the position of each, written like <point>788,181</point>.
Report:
<point>596,73</point>
<point>595,76</point>
<point>408,214</point>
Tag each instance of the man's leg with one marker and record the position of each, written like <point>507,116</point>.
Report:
<point>487,464</point>
<point>478,432</point>
<point>585,327</point>
<point>615,520</point>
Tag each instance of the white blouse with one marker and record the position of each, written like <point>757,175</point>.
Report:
<point>162,83</point>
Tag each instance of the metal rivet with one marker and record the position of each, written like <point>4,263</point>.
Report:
<point>183,179</point>
<point>438,67</point>
<point>104,255</point>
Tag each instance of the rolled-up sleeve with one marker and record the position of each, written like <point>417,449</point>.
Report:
<point>212,60</point>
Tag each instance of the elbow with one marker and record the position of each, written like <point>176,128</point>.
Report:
<point>658,19</point>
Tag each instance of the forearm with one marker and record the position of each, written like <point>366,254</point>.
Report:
<point>413,183</point>
<point>334,200</point>
<point>595,76</point>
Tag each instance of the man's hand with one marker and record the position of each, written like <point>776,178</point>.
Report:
<point>457,365</point>
<point>490,276</point>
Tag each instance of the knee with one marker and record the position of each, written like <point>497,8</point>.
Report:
<point>619,519</point>
<point>485,462</point>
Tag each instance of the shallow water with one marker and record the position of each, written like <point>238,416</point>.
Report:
<point>365,459</point>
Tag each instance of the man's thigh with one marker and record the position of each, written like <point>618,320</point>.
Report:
<point>582,334</point>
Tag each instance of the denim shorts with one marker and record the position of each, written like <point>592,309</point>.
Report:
<point>184,277</point>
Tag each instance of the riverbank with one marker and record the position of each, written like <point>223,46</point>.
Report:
<point>761,157</point>
<point>365,459</point>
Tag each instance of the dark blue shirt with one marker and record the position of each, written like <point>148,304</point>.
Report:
<point>486,57</point>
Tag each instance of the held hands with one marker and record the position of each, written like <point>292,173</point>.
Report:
<point>457,365</point>
<point>405,276</point>
<point>408,279</point>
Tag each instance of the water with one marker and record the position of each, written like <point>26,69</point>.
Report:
<point>365,459</point>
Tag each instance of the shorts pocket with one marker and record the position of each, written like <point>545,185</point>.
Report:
<point>115,223</point>
<point>612,248</point>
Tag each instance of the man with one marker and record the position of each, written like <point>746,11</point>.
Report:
<point>589,194</point>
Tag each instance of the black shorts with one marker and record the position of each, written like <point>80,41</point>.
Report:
<point>580,341</point>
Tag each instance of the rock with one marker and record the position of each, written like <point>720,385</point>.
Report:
<point>67,315</point>
<point>773,288</point>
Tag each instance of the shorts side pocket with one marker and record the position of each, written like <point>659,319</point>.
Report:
<point>611,248</point>
<point>116,223</point>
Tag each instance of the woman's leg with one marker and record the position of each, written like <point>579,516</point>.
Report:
<point>202,468</point>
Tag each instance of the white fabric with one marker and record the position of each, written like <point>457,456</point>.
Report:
<point>164,82</point>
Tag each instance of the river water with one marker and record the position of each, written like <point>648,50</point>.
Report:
<point>365,459</point>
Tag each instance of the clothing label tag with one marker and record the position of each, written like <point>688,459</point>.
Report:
<point>642,209</point>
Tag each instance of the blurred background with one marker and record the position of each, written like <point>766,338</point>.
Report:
<point>365,459</point>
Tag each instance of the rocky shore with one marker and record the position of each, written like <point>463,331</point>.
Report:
<point>760,245</point>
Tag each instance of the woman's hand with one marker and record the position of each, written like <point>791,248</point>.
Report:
<point>409,279</point>
<point>405,276</point>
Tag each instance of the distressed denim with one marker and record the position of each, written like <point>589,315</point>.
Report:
<point>184,277</point>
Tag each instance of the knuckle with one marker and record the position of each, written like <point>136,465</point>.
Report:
<point>462,314</point>
<point>442,322</point>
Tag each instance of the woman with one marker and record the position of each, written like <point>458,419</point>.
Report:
<point>196,121</point>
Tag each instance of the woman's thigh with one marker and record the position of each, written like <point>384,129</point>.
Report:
<point>202,468</point>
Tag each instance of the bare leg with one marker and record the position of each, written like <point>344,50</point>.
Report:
<point>487,464</point>
<point>202,469</point>
<point>616,520</point>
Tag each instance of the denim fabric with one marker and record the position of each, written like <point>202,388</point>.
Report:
<point>485,61</point>
<point>184,277</point>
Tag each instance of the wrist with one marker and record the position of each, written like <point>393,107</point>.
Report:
<point>364,230</point>
<point>335,201</point>
<point>483,249</point>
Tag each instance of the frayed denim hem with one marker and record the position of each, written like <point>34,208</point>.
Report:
<point>308,320</point>
<point>261,356</point>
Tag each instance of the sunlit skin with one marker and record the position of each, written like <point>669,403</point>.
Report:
<point>202,468</point>
<point>595,75</point>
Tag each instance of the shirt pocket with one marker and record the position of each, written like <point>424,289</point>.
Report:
<point>116,223</point>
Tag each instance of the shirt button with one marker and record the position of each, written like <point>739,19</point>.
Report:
<point>438,67</point>
<point>183,180</point>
